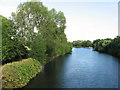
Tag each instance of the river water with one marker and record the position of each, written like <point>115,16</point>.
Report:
<point>83,68</point>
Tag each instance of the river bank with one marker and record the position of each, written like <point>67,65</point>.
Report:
<point>18,74</point>
<point>21,41</point>
<point>83,68</point>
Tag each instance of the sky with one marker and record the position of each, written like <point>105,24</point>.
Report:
<point>85,19</point>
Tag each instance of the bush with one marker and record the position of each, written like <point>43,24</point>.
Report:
<point>12,50</point>
<point>17,74</point>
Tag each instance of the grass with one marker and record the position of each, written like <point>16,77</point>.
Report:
<point>18,74</point>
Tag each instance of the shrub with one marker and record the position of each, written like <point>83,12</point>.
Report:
<point>12,50</point>
<point>18,74</point>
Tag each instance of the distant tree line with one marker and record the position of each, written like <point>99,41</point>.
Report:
<point>34,31</point>
<point>81,43</point>
<point>110,46</point>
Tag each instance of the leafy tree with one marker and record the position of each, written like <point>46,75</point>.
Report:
<point>11,49</point>
<point>41,29</point>
<point>38,49</point>
<point>114,47</point>
<point>80,43</point>
<point>29,15</point>
<point>110,46</point>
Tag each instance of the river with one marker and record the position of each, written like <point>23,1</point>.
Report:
<point>83,68</point>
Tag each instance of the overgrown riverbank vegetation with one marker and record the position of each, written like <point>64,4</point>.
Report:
<point>18,74</point>
<point>32,32</point>
<point>108,45</point>
<point>34,36</point>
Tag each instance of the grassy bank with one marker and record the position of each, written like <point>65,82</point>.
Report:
<point>18,74</point>
<point>21,42</point>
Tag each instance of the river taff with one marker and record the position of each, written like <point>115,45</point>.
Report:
<point>83,68</point>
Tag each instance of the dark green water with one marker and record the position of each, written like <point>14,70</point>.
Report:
<point>84,68</point>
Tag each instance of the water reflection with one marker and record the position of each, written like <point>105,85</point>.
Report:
<point>84,68</point>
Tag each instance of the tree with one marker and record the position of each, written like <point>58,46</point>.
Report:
<point>40,29</point>
<point>80,43</point>
<point>11,49</point>
<point>29,15</point>
<point>38,49</point>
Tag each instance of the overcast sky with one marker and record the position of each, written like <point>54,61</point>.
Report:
<point>86,19</point>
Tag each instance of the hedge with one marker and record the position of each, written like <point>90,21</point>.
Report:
<point>18,74</point>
